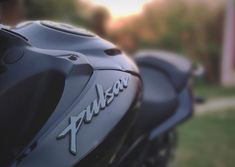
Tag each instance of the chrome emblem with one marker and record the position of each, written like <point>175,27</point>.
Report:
<point>104,98</point>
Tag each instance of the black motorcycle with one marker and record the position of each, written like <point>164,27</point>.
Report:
<point>69,98</point>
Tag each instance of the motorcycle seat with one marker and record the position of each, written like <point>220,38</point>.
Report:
<point>159,99</point>
<point>175,67</point>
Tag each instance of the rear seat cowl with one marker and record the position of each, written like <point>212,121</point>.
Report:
<point>176,67</point>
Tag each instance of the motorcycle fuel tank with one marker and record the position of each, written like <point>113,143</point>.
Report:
<point>99,90</point>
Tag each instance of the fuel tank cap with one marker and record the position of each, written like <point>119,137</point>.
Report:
<point>67,28</point>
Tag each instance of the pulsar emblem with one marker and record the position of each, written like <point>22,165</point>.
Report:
<point>104,98</point>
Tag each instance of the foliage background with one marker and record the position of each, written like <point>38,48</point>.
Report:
<point>193,28</point>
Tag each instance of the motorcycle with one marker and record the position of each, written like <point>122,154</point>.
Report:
<point>69,98</point>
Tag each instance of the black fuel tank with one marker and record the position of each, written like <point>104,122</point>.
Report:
<point>97,100</point>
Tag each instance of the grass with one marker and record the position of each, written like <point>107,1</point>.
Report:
<point>213,91</point>
<point>207,141</point>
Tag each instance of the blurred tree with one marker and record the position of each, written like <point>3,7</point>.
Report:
<point>11,11</point>
<point>99,19</point>
<point>190,27</point>
<point>77,12</point>
<point>50,9</point>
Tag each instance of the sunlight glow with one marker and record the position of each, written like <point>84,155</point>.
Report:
<point>121,8</point>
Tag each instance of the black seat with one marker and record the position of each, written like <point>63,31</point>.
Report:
<point>176,67</point>
<point>159,99</point>
<point>163,75</point>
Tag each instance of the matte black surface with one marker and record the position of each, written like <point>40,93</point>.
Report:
<point>90,135</point>
<point>167,100</point>
<point>174,66</point>
<point>160,99</point>
<point>93,47</point>
<point>49,73</point>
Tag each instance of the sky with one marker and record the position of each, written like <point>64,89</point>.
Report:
<point>121,8</point>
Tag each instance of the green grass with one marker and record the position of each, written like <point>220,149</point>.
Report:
<point>207,141</point>
<point>213,91</point>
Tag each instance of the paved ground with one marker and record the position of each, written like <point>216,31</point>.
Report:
<point>215,105</point>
